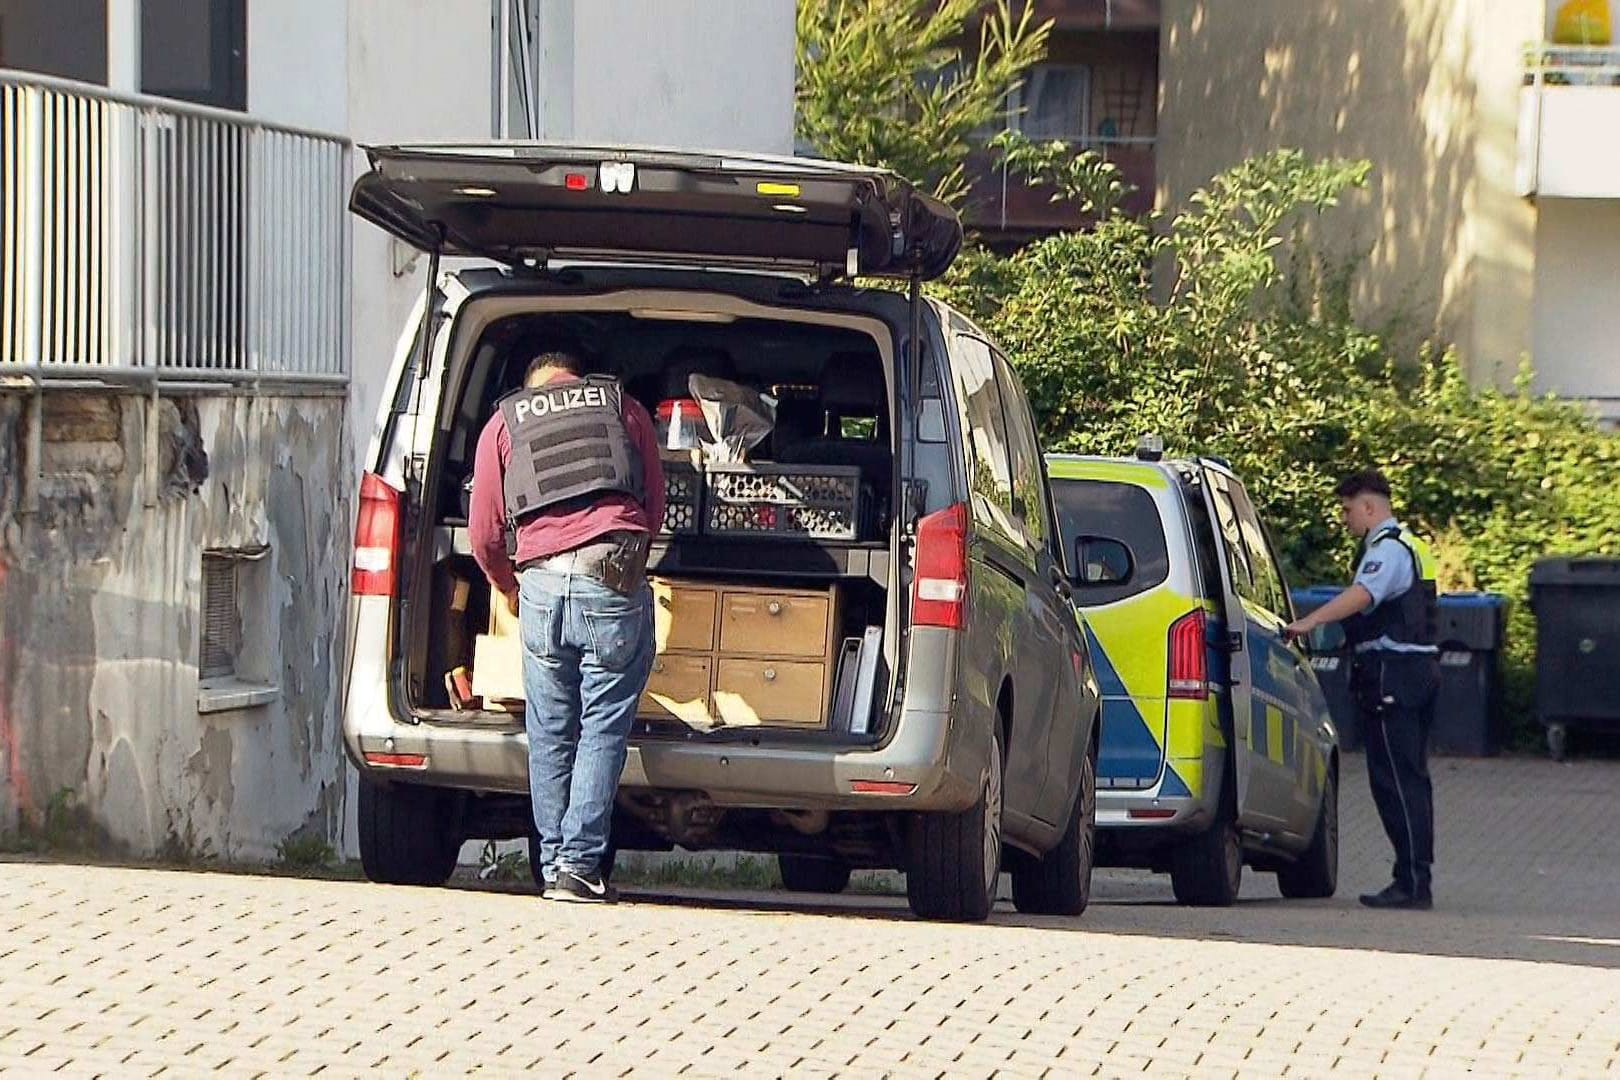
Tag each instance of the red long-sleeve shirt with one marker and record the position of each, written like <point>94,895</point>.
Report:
<point>552,532</point>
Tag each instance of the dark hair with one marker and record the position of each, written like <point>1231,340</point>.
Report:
<point>1365,482</point>
<point>563,358</point>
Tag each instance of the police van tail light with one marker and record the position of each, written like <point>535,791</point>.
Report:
<point>940,585</point>
<point>1189,658</point>
<point>376,538</point>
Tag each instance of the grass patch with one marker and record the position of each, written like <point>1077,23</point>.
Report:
<point>63,827</point>
<point>745,872</point>
<point>305,853</point>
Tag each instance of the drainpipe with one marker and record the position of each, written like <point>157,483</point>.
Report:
<point>124,46</point>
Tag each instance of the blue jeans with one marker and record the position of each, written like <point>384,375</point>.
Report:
<point>587,655</point>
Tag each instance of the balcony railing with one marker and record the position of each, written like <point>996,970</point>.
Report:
<point>145,240</point>
<point>1569,111</point>
<point>1004,202</point>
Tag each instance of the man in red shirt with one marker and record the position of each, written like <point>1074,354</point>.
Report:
<point>569,464</point>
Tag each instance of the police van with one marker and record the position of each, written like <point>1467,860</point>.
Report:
<point>868,654</point>
<point>1217,749</point>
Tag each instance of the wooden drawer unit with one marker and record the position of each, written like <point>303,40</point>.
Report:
<point>786,692</point>
<point>740,656</point>
<point>683,616</point>
<point>679,690</point>
<point>774,624</point>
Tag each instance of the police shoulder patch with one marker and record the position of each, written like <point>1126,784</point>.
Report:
<point>1371,567</point>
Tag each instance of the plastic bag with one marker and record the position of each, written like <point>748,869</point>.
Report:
<point>739,418</point>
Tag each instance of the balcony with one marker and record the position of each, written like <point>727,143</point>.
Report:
<point>1569,112</point>
<point>150,242</point>
<point>1010,211</point>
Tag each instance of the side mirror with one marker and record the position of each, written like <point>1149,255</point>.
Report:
<point>1101,560</point>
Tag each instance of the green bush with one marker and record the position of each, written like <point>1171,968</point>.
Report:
<point>1231,358</point>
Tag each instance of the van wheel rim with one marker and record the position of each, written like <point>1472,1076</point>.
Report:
<point>992,820</point>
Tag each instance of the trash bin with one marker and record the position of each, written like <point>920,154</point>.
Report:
<point>1331,659</point>
<point>1468,715</point>
<point>1577,607</point>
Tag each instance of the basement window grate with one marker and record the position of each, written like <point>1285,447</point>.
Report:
<point>222,618</point>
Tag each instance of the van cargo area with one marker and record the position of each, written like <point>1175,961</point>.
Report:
<point>771,576</point>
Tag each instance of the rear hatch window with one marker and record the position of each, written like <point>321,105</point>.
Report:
<point>1105,518</point>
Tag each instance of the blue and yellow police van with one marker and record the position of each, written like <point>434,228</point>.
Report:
<point>1217,749</point>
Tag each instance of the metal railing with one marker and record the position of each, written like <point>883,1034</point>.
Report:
<point>148,240</point>
<point>1571,65</point>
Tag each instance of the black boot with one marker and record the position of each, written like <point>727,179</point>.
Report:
<point>1398,897</point>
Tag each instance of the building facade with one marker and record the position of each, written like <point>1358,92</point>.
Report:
<point>193,338</point>
<point>1097,89</point>
<point>1492,214</point>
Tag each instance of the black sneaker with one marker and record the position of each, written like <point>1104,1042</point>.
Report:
<point>575,888</point>
<point>1399,898</point>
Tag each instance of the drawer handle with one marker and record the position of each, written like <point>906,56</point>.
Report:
<point>658,668</point>
<point>770,674</point>
<point>774,607</point>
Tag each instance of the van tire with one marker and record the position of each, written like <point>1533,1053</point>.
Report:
<point>1316,875</point>
<point>1059,882</point>
<point>807,873</point>
<point>1206,870</point>
<point>953,861</point>
<point>408,833</point>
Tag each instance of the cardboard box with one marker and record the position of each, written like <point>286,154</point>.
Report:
<point>498,658</point>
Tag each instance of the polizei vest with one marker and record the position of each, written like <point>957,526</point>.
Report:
<point>1413,617</point>
<point>569,444</point>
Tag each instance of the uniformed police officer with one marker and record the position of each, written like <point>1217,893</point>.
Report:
<point>1390,619</point>
<point>567,490</point>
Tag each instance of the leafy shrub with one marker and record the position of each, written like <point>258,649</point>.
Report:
<point>1227,359</point>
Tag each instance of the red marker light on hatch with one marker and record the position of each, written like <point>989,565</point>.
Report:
<point>576,181</point>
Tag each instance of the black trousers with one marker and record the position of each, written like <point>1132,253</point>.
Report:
<point>1395,695</point>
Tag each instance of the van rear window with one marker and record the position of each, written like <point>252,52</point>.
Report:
<point>1101,510</point>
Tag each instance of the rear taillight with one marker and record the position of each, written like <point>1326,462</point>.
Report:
<point>1189,658</point>
<point>939,587</point>
<point>376,538</point>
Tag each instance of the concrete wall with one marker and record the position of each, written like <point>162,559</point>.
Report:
<point>1425,89</point>
<point>298,63</point>
<point>707,74</point>
<point>100,601</point>
<point>1577,322</point>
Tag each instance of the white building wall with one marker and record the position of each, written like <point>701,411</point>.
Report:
<point>701,74</point>
<point>298,63</point>
<point>1577,322</point>
<point>418,70</point>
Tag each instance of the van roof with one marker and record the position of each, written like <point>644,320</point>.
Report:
<point>1114,469</point>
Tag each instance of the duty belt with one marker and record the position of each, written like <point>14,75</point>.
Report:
<point>617,559</point>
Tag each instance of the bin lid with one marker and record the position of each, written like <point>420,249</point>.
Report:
<point>1473,599</point>
<point>1594,571</point>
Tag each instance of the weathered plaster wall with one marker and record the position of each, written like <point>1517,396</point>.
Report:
<point>100,602</point>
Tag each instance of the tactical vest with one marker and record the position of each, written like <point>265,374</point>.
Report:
<point>1413,617</point>
<point>569,444</point>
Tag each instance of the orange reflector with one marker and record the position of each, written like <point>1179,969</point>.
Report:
<point>576,181</point>
<point>1151,815</point>
<point>767,187</point>
<point>881,787</point>
<point>396,761</point>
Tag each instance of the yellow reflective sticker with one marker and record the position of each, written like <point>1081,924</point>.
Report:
<point>777,190</point>
<point>1274,734</point>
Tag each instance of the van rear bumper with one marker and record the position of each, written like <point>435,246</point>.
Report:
<point>928,750</point>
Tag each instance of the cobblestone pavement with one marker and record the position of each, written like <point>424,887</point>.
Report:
<point>131,971</point>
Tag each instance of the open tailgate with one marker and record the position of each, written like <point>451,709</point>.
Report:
<point>515,202</point>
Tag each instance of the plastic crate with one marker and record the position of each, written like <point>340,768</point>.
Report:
<point>812,502</point>
<point>683,498</point>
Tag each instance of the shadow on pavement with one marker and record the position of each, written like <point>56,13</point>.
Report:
<point>1528,869</point>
